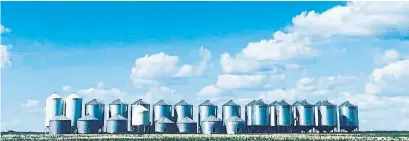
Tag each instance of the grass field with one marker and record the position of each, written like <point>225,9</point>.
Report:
<point>370,136</point>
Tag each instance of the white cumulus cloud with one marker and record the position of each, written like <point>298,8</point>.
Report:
<point>162,93</point>
<point>102,93</point>
<point>4,29</point>
<point>66,88</point>
<point>31,103</point>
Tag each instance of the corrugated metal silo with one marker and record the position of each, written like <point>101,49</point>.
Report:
<point>348,116</point>
<point>284,116</point>
<point>182,110</point>
<point>327,116</point>
<point>96,109</point>
<point>117,124</point>
<point>206,109</point>
<point>73,109</point>
<point>248,112</point>
<point>304,115</point>
<point>230,109</point>
<point>164,125</point>
<point>162,109</point>
<point>187,125</point>
<point>211,125</point>
<point>235,125</point>
<point>140,116</point>
<point>273,113</point>
<point>118,107</point>
<point>60,125</point>
<point>260,113</point>
<point>88,125</point>
<point>53,107</point>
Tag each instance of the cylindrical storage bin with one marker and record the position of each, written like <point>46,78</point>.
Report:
<point>248,112</point>
<point>96,109</point>
<point>326,116</point>
<point>60,125</point>
<point>304,115</point>
<point>117,124</point>
<point>73,108</point>
<point>187,125</point>
<point>88,125</point>
<point>207,109</point>
<point>182,110</point>
<point>162,109</point>
<point>273,113</point>
<point>235,125</point>
<point>348,116</point>
<point>259,113</point>
<point>284,114</point>
<point>164,125</point>
<point>230,109</point>
<point>53,107</point>
<point>211,125</point>
<point>118,107</point>
<point>140,120</point>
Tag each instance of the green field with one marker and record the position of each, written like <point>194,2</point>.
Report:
<point>369,136</point>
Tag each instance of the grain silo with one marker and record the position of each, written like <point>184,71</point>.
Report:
<point>284,116</point>
<point>187,125</point>
<point>60,125</point>
<point>273,116</point>
<point>140,116</point>
<point>88,125</point>
<point>206,109</point>
<point>230,109</point>
<point>162,109</point>
<point>182,110</point>
<point>211,125</point>
<point>348,117</point>
<point>248,115</point>
<point>164,125</point>
<point>235,125</point>
<point>118,107</point>
<point>96,109</point>
<point>53,107</point>
<point>259,116</point>
<point>73,109</point>
<point>304,116</point>
<point>117,124</point>
<point>326,116</point>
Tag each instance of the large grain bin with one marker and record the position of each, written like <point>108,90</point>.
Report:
<point>60,125</point>
<point>187,125</point>
<point>348,116</point>
<point>117,124</point>
<point>118,107</point>
<point>235,125</point>
<point>248,112</point>
<point>140,116</point>
<point>211,125</point>
<point>259,113</point>
<point>206,109</point>
<point>88,125</point>
<point>164,125</point>
<point>284,114</point>
<point>73,109</point>
<point>304,116</point>
<point>53,107</point>
<point>273,113</point>
<point>96,109</point>
<point>326,117</point>
<point>162,109</point>
<point>182,110</point>
<point>230,109</point>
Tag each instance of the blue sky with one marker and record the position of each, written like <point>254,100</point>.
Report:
<point>205,50</point>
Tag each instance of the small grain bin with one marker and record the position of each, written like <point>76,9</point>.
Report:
<point>88,125</point>
<point>117,124</point>
<point>96,109</point>
<point>211,125</point>
<point>206,109</point>
<point>140,117</point>
<point>164,125</point>
<point>60,125</point>
<point>235,125</point>
<point>348,116</point>
<point>187,125</point>
<point>182,109</point>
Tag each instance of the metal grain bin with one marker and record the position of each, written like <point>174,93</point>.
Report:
<point>348,116</point>
<point>53,107</point>
<point>88,125</point>
<point>164,125</point>
<point>304,116</point>
<point>118,107</point>
<point>248,112</point>
<point>284,114</point>
<point>211,125</point>
<point>259,113</point>
<point>73,109</point>
<point>182,110</point>
<point>327,116</point>
<point>162,109</point>
<point>60,125</point>
<point>96,109</point>
<point>140,116</point>
<point>187,125</point>
<point>235,125</point>
<point>206,109</point>
<point>273,113</point>
<point>230,109</point>
<point>117,124</point>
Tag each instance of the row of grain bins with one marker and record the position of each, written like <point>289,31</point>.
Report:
<point>64,116</point>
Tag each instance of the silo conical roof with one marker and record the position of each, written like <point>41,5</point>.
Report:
<point>296,103</point>
<point>326,103</point>
<point>212,118</point>
<point>117,117</point>
<point>60,117</point>
<point>117,102</point>
<point>182,103</point>
<point>94,102</point>
<point>87,117</point>
<point>207,103</point>
<point>139,102</point>
<point>230,103</point>
<point>259,102</point>
<point>164,120</point>
<point>283,103</point>
<point>186,120</point>
<point>234,119</point>
<point>273,103</point>
<point>347,104</point>
<point>251,103</point>
<point>318,103</point>
<point>304,103</point>
<point>72,96</point>
<point>160,103</point>
<point>54,95</point>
